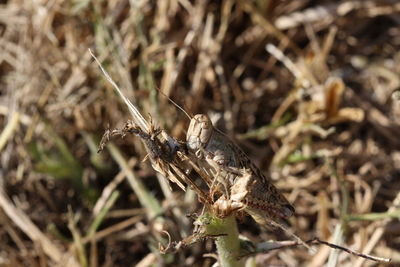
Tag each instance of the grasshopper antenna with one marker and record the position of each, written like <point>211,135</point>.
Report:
<point>175,104</point>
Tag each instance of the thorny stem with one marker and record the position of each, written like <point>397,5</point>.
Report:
<point>227,242</point>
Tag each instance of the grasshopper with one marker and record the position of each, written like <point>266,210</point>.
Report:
<point>211,147</point>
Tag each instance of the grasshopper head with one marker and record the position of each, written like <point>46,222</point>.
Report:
<point>199,132</point>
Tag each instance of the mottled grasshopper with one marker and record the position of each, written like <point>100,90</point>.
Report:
<point>263,201</point>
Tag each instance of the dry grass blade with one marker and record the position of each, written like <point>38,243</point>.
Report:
<point>137,117</point>
<point>8,130</point>
<point>31,230</point>
<point>376,236</point>
<point>146,130</point>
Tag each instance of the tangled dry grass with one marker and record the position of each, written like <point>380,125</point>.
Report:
<point>309,89</point>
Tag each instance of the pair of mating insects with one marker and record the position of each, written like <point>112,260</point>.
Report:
<point>222,160</point>
<point>218,160</point>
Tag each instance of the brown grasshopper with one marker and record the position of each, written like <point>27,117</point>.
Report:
<point>211,147</point>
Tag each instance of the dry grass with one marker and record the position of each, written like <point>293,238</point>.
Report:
<point>309,89</point>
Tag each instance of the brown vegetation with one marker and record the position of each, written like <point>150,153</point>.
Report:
<point>308,89</point>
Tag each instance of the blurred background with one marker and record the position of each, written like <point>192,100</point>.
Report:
<point>308,89</point>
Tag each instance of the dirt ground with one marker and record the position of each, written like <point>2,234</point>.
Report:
<point>310,90</point>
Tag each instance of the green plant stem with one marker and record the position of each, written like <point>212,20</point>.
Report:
<point>228,244</point>
<point>373,216</point>
<point>100,217</point>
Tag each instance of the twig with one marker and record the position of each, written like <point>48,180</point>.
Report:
<point>269,246</point>
<point>352,252</point>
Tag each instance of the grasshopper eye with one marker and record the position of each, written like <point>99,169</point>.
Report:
<point>205,121</point>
